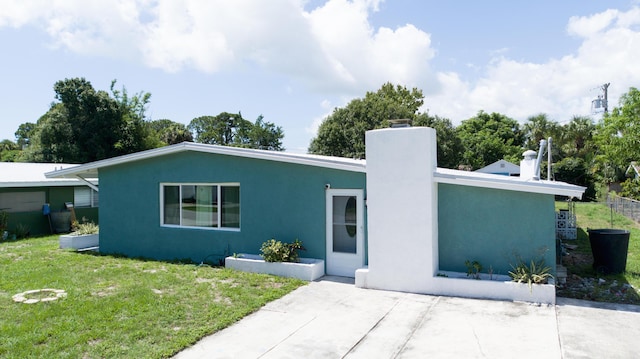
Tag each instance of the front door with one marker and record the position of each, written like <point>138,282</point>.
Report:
<point>345,232</point>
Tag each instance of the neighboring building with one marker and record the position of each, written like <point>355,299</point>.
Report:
<point>501,167</point>
<point>633,170</point>
<point>397,212</point>
<point>24,190</point>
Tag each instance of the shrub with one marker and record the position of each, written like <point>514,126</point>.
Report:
<point>535,273</point>
<point>277,251</point>
<point>79,229</point>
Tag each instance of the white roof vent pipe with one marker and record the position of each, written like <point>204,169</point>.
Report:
<point>543,144</point>
<point>528,165</point>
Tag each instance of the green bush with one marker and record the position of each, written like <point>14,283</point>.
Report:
<point>79,229</point>
<point>277,251</point>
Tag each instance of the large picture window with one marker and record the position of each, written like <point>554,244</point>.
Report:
<point>201,205</point>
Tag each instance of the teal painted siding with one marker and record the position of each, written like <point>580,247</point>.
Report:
<point>492,226</point>
<point>277,200</point>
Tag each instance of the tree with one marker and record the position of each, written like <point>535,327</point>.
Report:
<point>9,151</point>
<point>228,129</point>
<point>88,125</point>
<point>24,133</point>
<point>135,135</point>
<point>538,128</point>
<point>618,134</point>
<point>343,132</point>
<point>487,138</point>
<point>449,146</point>
<point>577,137</point>
<point>169,132</point>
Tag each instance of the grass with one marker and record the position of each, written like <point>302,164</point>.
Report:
<point>595,216</point>
<point>118,307</point>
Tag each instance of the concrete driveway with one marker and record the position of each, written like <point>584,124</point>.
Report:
<point>331,318</point>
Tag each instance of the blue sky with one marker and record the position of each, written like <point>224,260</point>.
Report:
<point>294,61</point>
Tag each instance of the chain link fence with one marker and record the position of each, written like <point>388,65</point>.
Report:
<point>628,207</point>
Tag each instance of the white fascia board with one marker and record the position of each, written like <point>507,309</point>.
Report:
<point>90,170</point>
<point>52,183</point>
<point>474,179</point>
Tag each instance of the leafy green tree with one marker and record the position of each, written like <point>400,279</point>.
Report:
<point>537,128</point>
<point>343,132</point>
<point>449,146</point>
<point>88,125</point>
<point>487,138</point>
<point>618,134</point>
<point>575,170</point>
<point>24,133</point>
<point>9,151</point>
<point>169,132</point>
<point>631,188</point>
<point>577,138</point>
<point>229,129</point>
<point>134,134</point>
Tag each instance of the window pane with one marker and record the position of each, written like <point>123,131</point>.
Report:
<point>96,198</point>
<point>171,205</point>
<point>206,206</point>
<point>81,197</point>
<point>230,206</point>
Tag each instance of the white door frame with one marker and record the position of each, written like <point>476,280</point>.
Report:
<point>339,263</point>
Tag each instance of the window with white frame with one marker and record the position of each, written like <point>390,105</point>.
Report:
<point>202,205</point>
<point>85,197</point>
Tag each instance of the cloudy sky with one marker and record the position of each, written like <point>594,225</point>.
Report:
<point>294,61</point>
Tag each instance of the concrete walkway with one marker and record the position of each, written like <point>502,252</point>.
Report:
<point>331,318</point>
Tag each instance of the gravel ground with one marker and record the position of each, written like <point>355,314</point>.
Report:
<point>592,287</point>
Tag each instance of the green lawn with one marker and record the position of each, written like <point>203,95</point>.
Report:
<point>118,307</point>
<point>594,216</point>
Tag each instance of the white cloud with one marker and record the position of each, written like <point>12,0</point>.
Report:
<point>561,87</point>
<point>330,48</point>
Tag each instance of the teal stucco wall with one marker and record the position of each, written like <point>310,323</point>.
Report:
<point>277,200</point>
<point>493,227</point>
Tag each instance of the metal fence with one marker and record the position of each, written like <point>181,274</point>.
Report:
<point>628,207</point>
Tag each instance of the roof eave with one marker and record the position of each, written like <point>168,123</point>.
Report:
<point>542,187</point>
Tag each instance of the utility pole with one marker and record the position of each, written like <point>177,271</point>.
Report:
<point>605,87</point>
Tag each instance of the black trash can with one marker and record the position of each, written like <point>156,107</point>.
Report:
<point>609,248</point>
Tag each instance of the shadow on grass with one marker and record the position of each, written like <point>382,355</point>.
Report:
<point>212,260</point>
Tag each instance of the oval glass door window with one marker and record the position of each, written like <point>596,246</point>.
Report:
<point>344,224</point>
<point>350,216</point>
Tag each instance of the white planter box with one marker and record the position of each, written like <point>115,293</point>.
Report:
<point>500,287</point>
<point>68,241</point>
<point>307,269</point>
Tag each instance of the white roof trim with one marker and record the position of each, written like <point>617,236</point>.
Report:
<point>90,170</point>
<point>485,180</point>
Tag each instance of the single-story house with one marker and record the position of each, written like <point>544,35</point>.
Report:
<point>501,167</point>
<point>394,221</point>
<point>24,190</point>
